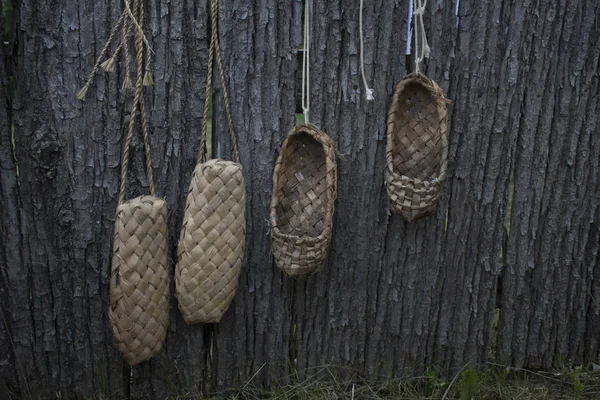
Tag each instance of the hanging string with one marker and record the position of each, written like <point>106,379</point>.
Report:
<point>368,91</point>
<point>138,104</point>
<point>215,49</point>
<point>422,49</point>
<point>127,22</point>
<point>127,84</point>
<point>139,38</point>
<point>409,28</point>
<point>113,33</point>
<point>306,63</point>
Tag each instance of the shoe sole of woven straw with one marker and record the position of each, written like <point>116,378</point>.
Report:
<point>303,201</point>
<point>212,241</point>
<point>139,285</point>
<point>417,147</point>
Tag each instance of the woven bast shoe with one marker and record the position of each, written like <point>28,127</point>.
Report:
<point>417,147</point>
<point>139,285</point>
<point>303,200</point>
<point>211,246</point>
<point>213,236</point>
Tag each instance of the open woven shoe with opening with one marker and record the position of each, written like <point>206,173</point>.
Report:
<point>211,245</point>
<point>417,147</point>
<point>139,285</point>
<point>302,204</point>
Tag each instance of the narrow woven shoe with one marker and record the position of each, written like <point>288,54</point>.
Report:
<point>211,246</point>
<point>417,147</point>
<point>139,284</point>
<point>302,204</point>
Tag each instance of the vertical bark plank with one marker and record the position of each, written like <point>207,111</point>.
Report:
<point>548,308</point>
<point>69,155</point>
<point>177,31</point>
<point>15,324</point>
<point>259,42</point>
<point>67,176</point>
<point>519,221</point>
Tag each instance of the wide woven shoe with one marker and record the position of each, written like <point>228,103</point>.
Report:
<point>139,285</point>
<point>211,246</point>
<point>302,204</point>
<point>417,147</point>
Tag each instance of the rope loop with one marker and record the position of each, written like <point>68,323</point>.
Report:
<point>215,50</point>
<point>368,91</point>
<point>306,63</point>
<point>422,49</point>
<point>138,100</point>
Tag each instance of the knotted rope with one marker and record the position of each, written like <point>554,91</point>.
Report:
<point>422,48</point>
<point>368,91</point>
<point>126,21</point>
<point>306,63</point>
<point>138,104</point>
<point>130,20</point>
<point>215,49</point>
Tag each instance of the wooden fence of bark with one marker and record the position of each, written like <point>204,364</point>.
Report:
<point>507,270</point>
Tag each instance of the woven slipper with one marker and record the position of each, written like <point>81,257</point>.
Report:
<point>139,284</point>
<point>302,204</point>
<point>211,246</point>
<point>417,147</point>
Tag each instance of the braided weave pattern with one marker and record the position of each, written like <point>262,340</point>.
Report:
<point>213,237</point>
<point>139,285</point>
<point>417,147</point>
<point>211,245</point>
<point>303,200</point>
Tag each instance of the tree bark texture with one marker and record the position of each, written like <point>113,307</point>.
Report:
<point>507,270</point>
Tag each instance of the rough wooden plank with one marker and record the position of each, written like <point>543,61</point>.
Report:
<point>259,41</point>
<point>69,155</point>
<point>548,310</point>
<point>67,180</point>
<point>15,337</point>
<point>520,214</point>
<point>177,31</point>
<point>398,295</point>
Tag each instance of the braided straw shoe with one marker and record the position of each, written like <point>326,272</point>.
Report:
<point>417,147</point>
<point>211,246</point>
<point>303,200</point>
<point>139,285</point>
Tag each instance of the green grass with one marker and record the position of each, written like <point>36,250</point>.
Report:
<point>495,382</point>
<point>7,11</point>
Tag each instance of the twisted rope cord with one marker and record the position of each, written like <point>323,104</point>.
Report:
<point>140,49</point>
<point>125,20</point>
<point>422,51</point>
<point>124,34</point>
<point>306,63</point>
<point>138,102</point>
<point>368,91</point>
<point>215,49</point>
<point>113,33</point>
<point>208,91</point>
<point>138,27</point>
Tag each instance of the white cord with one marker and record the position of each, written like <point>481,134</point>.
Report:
<point>424,49</point>
<point>368,90</point>
<point>409,27</point>
<point>306,63</point>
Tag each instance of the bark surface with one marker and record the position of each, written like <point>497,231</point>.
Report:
<point>507,270</point>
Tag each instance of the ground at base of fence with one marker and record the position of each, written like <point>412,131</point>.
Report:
<point>495,381</point>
